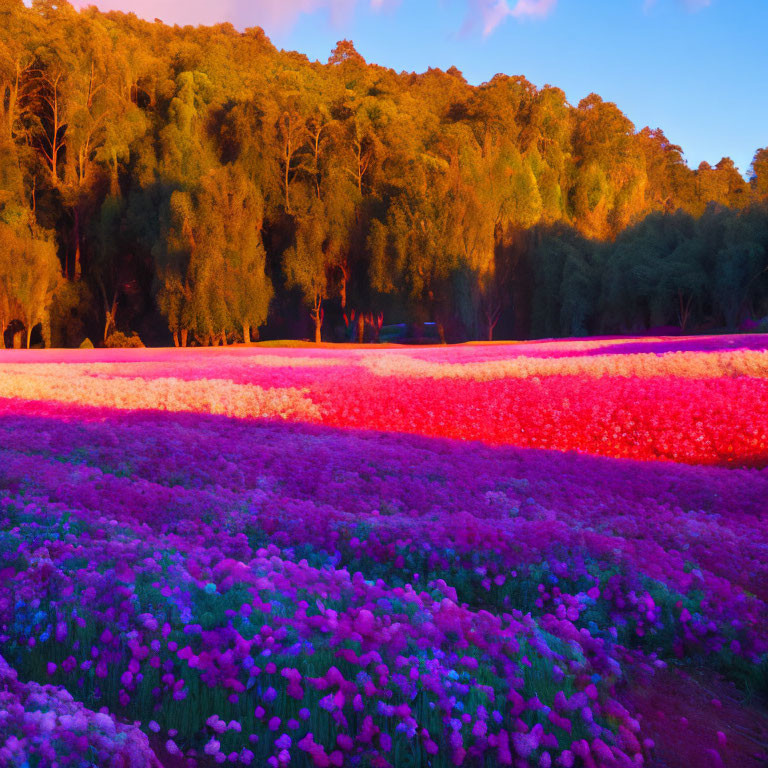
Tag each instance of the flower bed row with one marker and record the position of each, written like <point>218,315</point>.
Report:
<point>694,416</point>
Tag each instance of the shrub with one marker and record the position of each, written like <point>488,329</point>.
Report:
<point>86,344</point>
<point>120,340</point>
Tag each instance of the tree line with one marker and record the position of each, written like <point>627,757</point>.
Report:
<point>197,185</point>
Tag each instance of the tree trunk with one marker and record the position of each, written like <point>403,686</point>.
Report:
<point>110,313</point>
<point>114,187</point>
<point>285,182</point>
<point>685,311</point>
<point>184,334</point>
<point>361,328</point>
<point>29,334</point>
<point>2,333</point>
<point>492,314</point>
<point>77,244</point>
<point>13,97</point>
<point>175,338</point>
<point>441,332</point>
<point>317,315</point>
<point>223,338</point>
<point>246,334</point>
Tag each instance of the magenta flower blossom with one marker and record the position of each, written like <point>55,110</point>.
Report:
<point>212,747</point>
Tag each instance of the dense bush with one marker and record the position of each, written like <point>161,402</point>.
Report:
<point>118,340</point>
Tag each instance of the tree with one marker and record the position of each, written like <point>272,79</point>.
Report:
<point>172,252</point>
<point>345,53</point>
<point>29,275</point>
<point>669,180</point>
<point>106,262</point>
<point>308,262</point>
<point>608,193</point>
<point>741,266</point>
<point>9,309</point>
<point>228,247</point>
<point>655,273</point>
<point>291,134</point>
<point>17,61</point>
<point>186,154</point>
<point>759,174</point>
<point>50,113</point>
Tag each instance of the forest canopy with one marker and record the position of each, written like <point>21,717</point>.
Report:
<point>196,185</point>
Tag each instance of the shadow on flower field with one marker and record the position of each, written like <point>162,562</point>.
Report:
<point>263,590</point>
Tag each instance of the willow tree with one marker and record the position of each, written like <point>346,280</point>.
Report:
<point>185,156</point>
<point>610,178</point>
<point>741,266</point>
<point>9,309</point>
<point>30,273</point>
<point>232,288</point>
<point>472,214</point>
<point>418,247</point>
<point>654,275</point>
<point>308,263</point>
<point>172,253</point>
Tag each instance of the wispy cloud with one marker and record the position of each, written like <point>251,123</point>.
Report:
<point>273,15</point>
<point>170,11</point>
<point>489,14</point>
<point>690,5</point>
<point>283,14</point>
<point>280,15</point>
<point>536,8</point>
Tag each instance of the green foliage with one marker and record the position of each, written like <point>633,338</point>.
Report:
<point>118,340</point>
<point>71,313</point>
<point>669,270</point>
<point>29,276</point>
<point>231,288</point>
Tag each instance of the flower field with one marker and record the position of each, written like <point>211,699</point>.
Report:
<point>550,554</point>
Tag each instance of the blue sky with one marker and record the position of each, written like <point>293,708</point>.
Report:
<point>698,69</point>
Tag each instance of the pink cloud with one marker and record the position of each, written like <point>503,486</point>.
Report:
<point>280,15</point>
<point>536,8</point>
<point>283,14</point>
<point>170,11</point>
<point>488,14</point>
<point>273,15</point>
